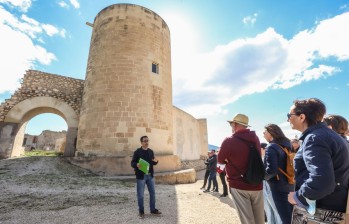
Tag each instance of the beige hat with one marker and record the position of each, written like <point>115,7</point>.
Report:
<point>240,119</point>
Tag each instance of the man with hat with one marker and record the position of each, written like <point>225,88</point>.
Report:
<point>234,151</point>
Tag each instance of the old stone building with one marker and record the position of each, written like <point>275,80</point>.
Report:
<point>127,93</point>
<point>46,140</point>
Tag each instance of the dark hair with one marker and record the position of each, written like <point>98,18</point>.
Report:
<point>263,145</point>
<point>313,109</point>
<point>141,139</point>
<point>276,132</point>
<point>338,123</point>
<point>295,140</point>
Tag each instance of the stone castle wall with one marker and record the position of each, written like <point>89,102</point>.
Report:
<point>190,139</point>
<point>123,98</point>
<point>127,93</point>
<point>37,83</point>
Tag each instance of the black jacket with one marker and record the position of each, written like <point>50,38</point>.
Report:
<point>322,168</point>
<point>212,163</point>
<point>147,155</point>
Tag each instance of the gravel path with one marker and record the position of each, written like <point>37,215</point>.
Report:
<point>49,190</point>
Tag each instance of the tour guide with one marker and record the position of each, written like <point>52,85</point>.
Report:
<point>143,179</point>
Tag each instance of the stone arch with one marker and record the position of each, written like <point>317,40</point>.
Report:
<point>17,118</point>
<point>40,92</point>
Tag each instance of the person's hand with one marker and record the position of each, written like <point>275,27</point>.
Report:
<point>155,160</point>
<point>291,199</point>
<point>138,165</point>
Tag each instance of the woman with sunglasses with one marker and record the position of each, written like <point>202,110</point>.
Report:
<point>322,162</point>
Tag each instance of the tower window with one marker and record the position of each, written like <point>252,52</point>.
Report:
<point>155,68</point>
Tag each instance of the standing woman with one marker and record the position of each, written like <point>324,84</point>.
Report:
<point>322,162</point>
<point>276,187</point>
<point>295,144</point>
<point>338,124</point>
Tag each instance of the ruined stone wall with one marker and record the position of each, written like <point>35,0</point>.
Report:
<point>47,139</point>
<point>29,142</point>
<point>36,83</point>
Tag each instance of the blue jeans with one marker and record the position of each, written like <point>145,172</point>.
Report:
<point>276,206</point>
<point>149,181</point>
<point>213,178</point>
<point>269,205</point>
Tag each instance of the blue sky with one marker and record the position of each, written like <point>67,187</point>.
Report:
<point>228,56</point>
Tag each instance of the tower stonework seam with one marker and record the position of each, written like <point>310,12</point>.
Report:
<point>123,99</point>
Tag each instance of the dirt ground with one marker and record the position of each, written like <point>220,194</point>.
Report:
<point>50,190</point>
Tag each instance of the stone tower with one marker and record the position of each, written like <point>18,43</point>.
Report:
<point>128,86</point>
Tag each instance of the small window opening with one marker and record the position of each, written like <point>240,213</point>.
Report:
<point>24,141</point>
<point>155,68</point>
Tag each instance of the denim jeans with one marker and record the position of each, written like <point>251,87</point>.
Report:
<point>149,181</point>
<point>213,178</point>
<point>269,205</point>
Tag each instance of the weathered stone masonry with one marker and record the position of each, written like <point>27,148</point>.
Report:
<point>39,93</point>
<point>37,83</point>
<point>122,98</point>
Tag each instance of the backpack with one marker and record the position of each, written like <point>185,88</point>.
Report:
<point>255,172</point>
<point>289,172</point>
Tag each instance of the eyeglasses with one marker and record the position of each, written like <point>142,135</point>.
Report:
<point>289,115</point>
<point>145,141</point>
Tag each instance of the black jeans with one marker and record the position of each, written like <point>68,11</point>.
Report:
<point>224,183</point>
<point>207,173</point>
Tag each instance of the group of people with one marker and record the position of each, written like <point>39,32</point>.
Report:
<point>211,173</point>
<point>321,165</point>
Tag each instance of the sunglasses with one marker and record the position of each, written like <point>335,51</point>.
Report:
<point>289,115</point>
<point>145,141</point>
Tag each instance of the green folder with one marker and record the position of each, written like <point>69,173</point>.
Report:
<point>144,166</point>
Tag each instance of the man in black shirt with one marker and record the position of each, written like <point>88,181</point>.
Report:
<point>143,179</point>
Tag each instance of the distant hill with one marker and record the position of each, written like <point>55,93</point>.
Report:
<point>210,147</point>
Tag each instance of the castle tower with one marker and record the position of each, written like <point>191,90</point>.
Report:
<point>128,86</point>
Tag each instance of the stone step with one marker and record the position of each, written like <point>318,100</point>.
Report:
<point>171,177</point>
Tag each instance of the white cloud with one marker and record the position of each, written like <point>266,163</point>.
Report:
<point>344,7</point>
<point>30,20</point>
<point>250,20</point>
<point>17,55</point>
<point>247,66</point>
<point>288,131</point>
<point>75,3</point>
<point>63,4</point>
<point>331,37</point>
<point>52,30</point>
<point>18,50</point>
<point>23,5</point>
<point>28,25</point>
